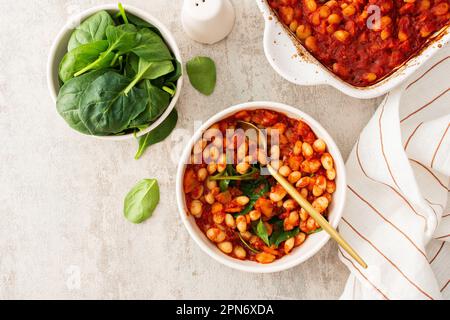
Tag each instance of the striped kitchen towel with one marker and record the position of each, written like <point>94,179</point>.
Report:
<point>396,216</point>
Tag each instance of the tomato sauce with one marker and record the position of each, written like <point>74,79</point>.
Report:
<point>363,41</point>
<point>229,215</point>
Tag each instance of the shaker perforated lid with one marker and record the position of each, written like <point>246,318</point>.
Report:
<point>208,21</point>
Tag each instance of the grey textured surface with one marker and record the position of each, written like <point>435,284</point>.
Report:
<point>62,193</point>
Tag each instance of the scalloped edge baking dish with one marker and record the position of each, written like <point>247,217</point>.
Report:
<point>294,63</point>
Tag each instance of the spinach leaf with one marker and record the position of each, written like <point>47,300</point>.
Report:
<point>176,74</point>
<point>279,235</point>
<point>247,245</point>
<point>249,189</point>
<point>261,231</point>
<point>109,104</point>
<point>132,65</point>
<point>170,89</point>
<point>158,101</point>
<point>140,24</point>
<point>225,183</point>
<point>249,185</point>
<point>159,134</point>
<point>91,30</point>
<point>121,40</point>
<point>152,70</point>
<point>141,201</point>
<point>202,74</point>
<point>159,71</point>
<point>106,59</point>
<point>285,235</point>
<point>152,47</point>
<point>248,176</point>
<point>149,70</point>
<point>122,13</point>
<point>69,97</point>
<point>80,57</point>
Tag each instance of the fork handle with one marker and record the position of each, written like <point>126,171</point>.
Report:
<point>316,215</point>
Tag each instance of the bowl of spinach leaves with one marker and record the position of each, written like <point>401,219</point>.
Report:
<point>116,74</point>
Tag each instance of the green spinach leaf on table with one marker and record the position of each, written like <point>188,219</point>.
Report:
<point>141,201</point>
<point>202,74</point>
<point>91,30</point>
<point>159,134</point>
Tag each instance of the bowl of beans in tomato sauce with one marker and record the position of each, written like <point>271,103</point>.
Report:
<point>362,47</point>
<point>235,211</point>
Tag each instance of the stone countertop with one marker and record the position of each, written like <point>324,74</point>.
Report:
<point>62,193</point>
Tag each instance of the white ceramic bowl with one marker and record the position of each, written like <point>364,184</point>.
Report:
<point>59,49</point>
<point>282,52</point>
<point>313,243</point>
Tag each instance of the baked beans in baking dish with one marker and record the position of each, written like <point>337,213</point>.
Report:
<point>363,41</point>
<point>247,214</point>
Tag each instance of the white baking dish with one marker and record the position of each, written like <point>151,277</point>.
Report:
<point>297,65</point>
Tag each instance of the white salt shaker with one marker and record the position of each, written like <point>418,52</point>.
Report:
<point>208,21</point>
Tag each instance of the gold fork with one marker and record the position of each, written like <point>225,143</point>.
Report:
<point>323,223</point>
